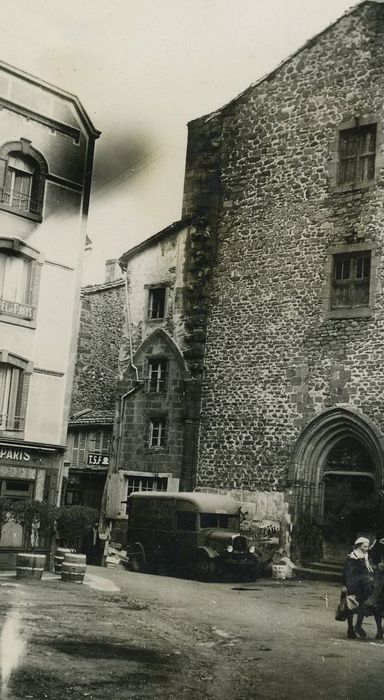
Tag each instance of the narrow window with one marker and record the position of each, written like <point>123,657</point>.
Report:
<point>351,280</point>
<point>16,284</point>
<point>157,375</point>
<point>357,154</point>
<point>10,397</point>
<point>157,432</point>
<point>156,303</point>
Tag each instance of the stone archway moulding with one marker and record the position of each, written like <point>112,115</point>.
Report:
<point>163,336</point>
<point>324,432</point>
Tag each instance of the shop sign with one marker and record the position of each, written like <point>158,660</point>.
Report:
<point>13,308</point>
<point>97,460</point>
<point>15,455</point>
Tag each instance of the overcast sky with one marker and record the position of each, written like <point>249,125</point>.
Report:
<point>143,69</point>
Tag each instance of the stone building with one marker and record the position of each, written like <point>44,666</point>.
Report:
<point>46,158</point>
<point>262,373</point>
<point>92,410</point>
<point>288,178</point>
<point>156,395</point>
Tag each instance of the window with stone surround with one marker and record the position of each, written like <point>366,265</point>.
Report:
<point>156,303</point>
<point>351,281</point>
<point>351,278</point>
<point>157,375</point>
<point>356,157</point>
<point>157,432</point>
<point>143,482</point>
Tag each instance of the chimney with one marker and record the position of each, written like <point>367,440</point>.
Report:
<point>112,270</point>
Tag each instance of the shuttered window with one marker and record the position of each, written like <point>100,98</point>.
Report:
<point>357,154</point>
<point>351,280</point>
<point>78,450</point>
<point>10,397</point>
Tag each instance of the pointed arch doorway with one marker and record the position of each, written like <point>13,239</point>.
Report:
<point>337,477</point>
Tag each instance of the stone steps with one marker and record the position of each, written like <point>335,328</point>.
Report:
<point>320,571</point>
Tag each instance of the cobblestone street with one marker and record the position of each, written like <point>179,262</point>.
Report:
<point>128,635</point>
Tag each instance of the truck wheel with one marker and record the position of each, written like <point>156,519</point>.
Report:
<point>203,568</point>
<point>252,571</point>
<point>136,563</point>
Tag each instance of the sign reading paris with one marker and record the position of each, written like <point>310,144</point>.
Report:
<point>97,460</point>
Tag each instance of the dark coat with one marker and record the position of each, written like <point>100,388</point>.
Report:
<point>357,579</point>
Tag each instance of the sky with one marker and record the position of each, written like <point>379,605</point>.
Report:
<point>143,69</point>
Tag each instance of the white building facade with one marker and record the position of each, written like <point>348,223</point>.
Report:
<point>46,158</point>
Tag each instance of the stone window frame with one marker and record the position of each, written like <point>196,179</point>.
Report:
<point>19,247</point>
<point>152,359</point>
<point>379,160</point>
<point>12,360</point>
<point>357,312</point>
<point>162,417</point>
<point>148,288</point>
<point>25,148</point>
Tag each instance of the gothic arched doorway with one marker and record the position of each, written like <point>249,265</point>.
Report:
<point>337,477</point>
<point>349,496</point>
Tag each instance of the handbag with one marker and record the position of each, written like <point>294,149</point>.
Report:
<point>342,609</point>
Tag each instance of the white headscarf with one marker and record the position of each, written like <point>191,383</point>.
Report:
<point>357,553</point>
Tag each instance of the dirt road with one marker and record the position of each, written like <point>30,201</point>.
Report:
<point>166,638</point>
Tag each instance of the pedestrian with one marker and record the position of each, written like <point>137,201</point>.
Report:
<point>374,604</point>
<point>357,581</point>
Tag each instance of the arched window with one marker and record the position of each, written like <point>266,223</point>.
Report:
<point>22,179</point>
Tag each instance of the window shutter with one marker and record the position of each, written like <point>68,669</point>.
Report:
<point>3,166</point>
<point>114,508</point>
<point>11,420</point>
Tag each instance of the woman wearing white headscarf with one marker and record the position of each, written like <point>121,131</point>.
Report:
<point>357,581</point>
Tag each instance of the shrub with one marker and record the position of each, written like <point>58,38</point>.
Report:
<point>73,522</point>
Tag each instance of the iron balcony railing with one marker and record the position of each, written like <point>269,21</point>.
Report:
<point>18,200</point>
<point>11,422</point>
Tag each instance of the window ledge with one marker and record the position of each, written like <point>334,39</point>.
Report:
<point>14,434</point>
<point>363,312</point>
<point>354,187</point>
<point>17,321</point>
<point>20,212</point>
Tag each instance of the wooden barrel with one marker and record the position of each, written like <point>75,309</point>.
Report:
<point>73,568</point>
<point>59,558</point>
<point>30,565</point>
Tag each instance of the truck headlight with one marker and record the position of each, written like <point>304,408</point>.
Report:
<point>252,548</point>
<point>229,548</point>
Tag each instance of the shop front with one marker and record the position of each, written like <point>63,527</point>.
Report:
<point>28,472</point>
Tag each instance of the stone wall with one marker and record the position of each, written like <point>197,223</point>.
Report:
<point>101,325</point>
<point>273,358</point>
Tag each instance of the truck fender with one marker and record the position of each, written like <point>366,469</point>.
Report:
<point>136,548</point>
<point>211,553</point>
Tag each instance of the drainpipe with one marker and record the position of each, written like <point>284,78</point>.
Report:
<point>115,466</point>
<point>138,382</point>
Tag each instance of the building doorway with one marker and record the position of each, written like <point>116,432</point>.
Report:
<point>336,483</point>
<point>350,505</point>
